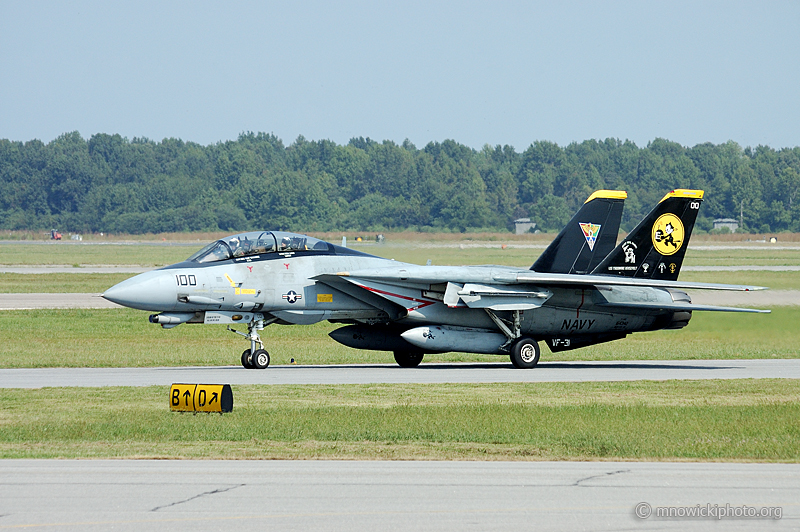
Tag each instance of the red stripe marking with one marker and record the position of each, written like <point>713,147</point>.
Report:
<point>423,303</point>
<point>578,310</point>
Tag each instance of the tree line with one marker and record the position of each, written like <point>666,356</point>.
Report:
<point>112,184</point>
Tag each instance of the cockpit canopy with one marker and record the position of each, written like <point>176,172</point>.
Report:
<point>257,243</point>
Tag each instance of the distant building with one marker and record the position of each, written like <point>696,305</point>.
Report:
<point>730,223</point>
<point>523,225</point>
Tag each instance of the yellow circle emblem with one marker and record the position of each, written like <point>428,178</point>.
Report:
<point>668,234</point>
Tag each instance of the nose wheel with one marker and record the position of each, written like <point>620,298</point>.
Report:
<point>256,357</point>
<point>255,360</point>
<point>260,359</point>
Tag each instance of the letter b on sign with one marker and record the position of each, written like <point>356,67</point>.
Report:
<point>181,397</point>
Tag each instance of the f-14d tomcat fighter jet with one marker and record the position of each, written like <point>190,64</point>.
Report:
<point>581,291</point>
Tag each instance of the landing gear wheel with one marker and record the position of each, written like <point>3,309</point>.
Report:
<point>247,360</point>
<point>525,353</point>
<point>408,359</point>
<point>260,359</point>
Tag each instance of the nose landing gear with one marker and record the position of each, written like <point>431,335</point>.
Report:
<point>258,359</point>
<point>254,358</point>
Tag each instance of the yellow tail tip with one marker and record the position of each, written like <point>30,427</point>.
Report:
<point>612,194</point>
<point>683,193</point>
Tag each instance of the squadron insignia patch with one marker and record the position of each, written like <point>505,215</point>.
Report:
<point>668,234</point>
<point>590,232</point>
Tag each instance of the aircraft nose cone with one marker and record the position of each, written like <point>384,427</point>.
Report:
<point>148,291</point>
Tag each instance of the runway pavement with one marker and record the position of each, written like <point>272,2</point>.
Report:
<point>741,268</point>
<point>391,373</point>
<point>760,299</point>
<point>65,268</point>
<point>54,301</point>
<point>367,496</point>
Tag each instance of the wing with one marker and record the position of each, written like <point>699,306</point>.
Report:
<point>502,288</point>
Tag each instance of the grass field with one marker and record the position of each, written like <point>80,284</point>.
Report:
<point>49,338</point>
<point>692,420</point>
<point>77,255</point>
<point>442,251</point>
<point>69,283</point>
<point>124,337</point>
<point>745,420</point>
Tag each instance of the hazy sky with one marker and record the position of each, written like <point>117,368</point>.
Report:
<point>476,72</point>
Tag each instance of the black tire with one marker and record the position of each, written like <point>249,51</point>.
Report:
<point>525,354</point>
<point>260,359</point>
<point>247,360</point>
<point>408,359</point>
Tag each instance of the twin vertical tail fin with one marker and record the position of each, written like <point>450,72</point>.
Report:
<point>588,237</point>
<point>656,247</point>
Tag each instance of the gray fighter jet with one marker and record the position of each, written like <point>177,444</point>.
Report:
<point>581,291</point>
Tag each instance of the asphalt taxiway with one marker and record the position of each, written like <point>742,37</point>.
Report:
<point>426,373</point>
<point>53,301</point>
<point>359,496</point>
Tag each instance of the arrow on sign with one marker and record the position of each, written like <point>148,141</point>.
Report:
<point>213,397</point>
<point>186,396</point>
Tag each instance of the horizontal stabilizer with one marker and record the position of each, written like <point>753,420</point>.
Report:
<point>549,279</point>
<point>498,275</point>
<point>680,307</point>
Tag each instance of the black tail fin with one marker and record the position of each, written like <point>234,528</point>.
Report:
<point>655,248</point>
<point>587,238</point>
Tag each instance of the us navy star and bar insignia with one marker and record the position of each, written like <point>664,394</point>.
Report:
<point>291,296</point>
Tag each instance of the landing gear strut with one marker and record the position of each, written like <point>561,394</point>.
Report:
<point>254,358</point>
<point>524,352</point>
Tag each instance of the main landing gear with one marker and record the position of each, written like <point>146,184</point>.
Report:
<point>254,358</point>
<point>524,352</point>
<point>408,359</point>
